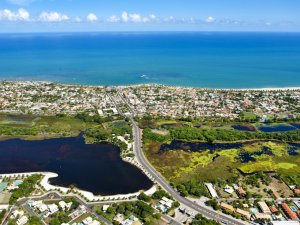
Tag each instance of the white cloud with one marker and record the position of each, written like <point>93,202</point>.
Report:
<point>92,17</point>
<point>77,19</point>
<point>135,17</point>
<point>145,19</point>
<point>20,15</point>
<point>52,17</point>
<point>210,19</point>
<point>20,2</point>
<point>152,16</point>
<point>169,19</point>
<point>125,17</point>
<point>113,19</point>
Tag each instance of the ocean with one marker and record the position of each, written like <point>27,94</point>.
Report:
<point>196,59</point>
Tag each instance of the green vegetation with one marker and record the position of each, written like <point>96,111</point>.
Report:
<point>60,217</point>
<point>25,188</point>
<point>148,134</point>
<point>95,119</point>
<point>97,135</point>
<point>38,127</point>
<point>180,166</point>
<point>33,220</point>
<point>192,187</point>
<point>212,135</point>
<point>159,194</point>
<point>144,197</point>
<point>201,220</point>
<point>213,203</point>
<point>2,214</point>
<point>140,209</point>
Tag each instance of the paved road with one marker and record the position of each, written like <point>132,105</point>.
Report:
<point>207,212</point>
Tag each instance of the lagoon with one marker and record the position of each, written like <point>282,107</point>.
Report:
<point>97,168</point>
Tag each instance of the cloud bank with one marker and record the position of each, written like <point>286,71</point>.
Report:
<point>52,17</point>
<point>20,15</point>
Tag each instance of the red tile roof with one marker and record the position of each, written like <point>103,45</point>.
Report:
<point>289,212</point>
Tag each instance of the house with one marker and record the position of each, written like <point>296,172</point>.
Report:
<point>105,207</point>
<point>243,213</point>
<point>23,220</point>
<point>119,217</point>
<point>273,209</point>
<point>227,206</point>
<point>235,186</point>
<point>65,206</point>
<point>53,208</point>
<point>289,212</point>
<point>17,213</point>
<point>166,202</point>
<point>264,207</point>
<point>42,207</point>
<point>4,206</point>
<point>228,189</point>
<point>297,191</point>
<point>211,190</point>
<point>241,192</point>
<point>263,216</point>
<point>132,220</point>
<point>87,220</point>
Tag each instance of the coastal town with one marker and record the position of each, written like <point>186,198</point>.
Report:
<point>156,100</point>
<point>250,198</point>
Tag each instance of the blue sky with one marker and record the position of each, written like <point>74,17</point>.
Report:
<point>151,15</point>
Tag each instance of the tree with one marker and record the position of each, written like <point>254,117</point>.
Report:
<point>144,197</point>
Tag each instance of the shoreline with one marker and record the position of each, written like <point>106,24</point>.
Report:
<point>156,84</point>
<point>89,196</point>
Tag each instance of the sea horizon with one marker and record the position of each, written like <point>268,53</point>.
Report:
<point>199,59</point>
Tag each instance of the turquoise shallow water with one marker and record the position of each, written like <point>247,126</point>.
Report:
<point>219,60</point>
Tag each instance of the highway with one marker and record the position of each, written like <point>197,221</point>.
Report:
<point>207,212</point>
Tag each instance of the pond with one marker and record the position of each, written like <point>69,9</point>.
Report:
<point>276,128</point>
<point>244,127</point>
<point>297,125</point>
<point>97,168</point>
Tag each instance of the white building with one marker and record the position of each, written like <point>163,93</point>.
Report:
<point>23,220</point>
<point>65,206</point>
<point>17,213</point>
<point>53,208</point>
<point>228,189</point>
<point>212,190</point>
<point>264,207</point>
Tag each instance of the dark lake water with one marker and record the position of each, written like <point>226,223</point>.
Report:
<point>276,128</point>
<point>297,125</point>
<point>97,168</point>
<point>244,127</point>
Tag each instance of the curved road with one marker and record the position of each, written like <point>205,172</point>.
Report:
<point>209,213</point>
